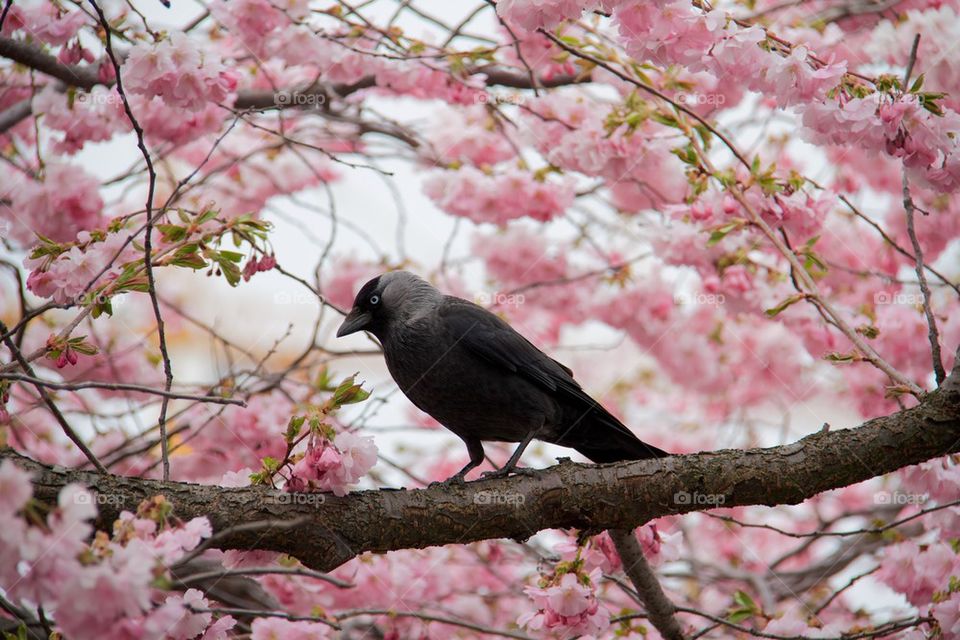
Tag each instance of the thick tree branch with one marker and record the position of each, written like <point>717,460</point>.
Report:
<point>32,56</point>
<point>332,530</point>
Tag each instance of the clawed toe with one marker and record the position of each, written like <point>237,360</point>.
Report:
<point>503,473</point>
<point>457,479</point>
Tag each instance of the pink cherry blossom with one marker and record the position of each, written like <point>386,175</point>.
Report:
<point>179,72</point>
<point>947,614</point>
<point>65,201</point>
<point>332,466</point>
<point>472,194</point>
<point>15,489</point>
<point>67,276</point>
<point>45,21</point>
<point>533,14</point>
<point>569,606</point>
<point>274,628</point>
<point>915,572</point>
<point>468,135</point>
<point>668,33</point>
<point>90,117</point>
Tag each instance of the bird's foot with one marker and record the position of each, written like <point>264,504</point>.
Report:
<point>504,472</point>
<point>456,479</point>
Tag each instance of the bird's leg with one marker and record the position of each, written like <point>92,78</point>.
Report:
<point>511,466</point>
<point>475,449</point>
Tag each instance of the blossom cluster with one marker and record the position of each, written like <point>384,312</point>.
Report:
<point>333,465</point>
<point>107,588</point>
<point>470,193</point>
<point>567,604</point>
<point>85,265</point>
<point>177,71</point>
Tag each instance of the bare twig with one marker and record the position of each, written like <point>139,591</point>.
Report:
<point>51,405</point>
<point>118,386</point>
<point>147,241</point>
<point>909,208</point>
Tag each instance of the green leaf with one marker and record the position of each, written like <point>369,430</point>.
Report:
<point>687,155</point>
<point>746,607</point>
<point>324,381</point>
<point>172,232</point>
<point>80,345</point>
<point>103,306</point>
<point>719,233</point>
<point>231,272</point>
<point>665,119</point>
<point>188,256</point>
<point>293,427</point>
<point>349,392</point>
<point>739,615</point>
<point>777,310</point>
<point>917,84</point>
<point>232,256</point>
<point>840,357</point>
<point>207,216</point>
<point>743,599</point>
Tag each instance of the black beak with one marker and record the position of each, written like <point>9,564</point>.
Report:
<point>355,321</point>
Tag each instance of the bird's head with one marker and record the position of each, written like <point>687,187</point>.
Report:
<point>395,296</point>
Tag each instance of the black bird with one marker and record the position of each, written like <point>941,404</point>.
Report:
<point>481,379</point>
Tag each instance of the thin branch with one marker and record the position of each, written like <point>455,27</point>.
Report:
<point>118,386</point>
<point>933,333</point>
<point>51,405</point>
<point>147,241</point>
<point>909,208</point>
<point>262,613</point>
<point>263,571</point>
<point>838,534</point>
<point>429,617</point>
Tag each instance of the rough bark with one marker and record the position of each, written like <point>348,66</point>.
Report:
<point>324,531</point>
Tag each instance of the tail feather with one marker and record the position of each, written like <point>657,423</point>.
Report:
<point>639,450</point>
<point>602,438</point>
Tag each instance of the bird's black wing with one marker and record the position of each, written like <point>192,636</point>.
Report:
<point>491,339</point>
<point>601,436</point>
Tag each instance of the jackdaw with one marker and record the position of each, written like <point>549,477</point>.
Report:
<point>481,379</point>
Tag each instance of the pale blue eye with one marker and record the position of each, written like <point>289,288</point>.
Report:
<point>374,299</point>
